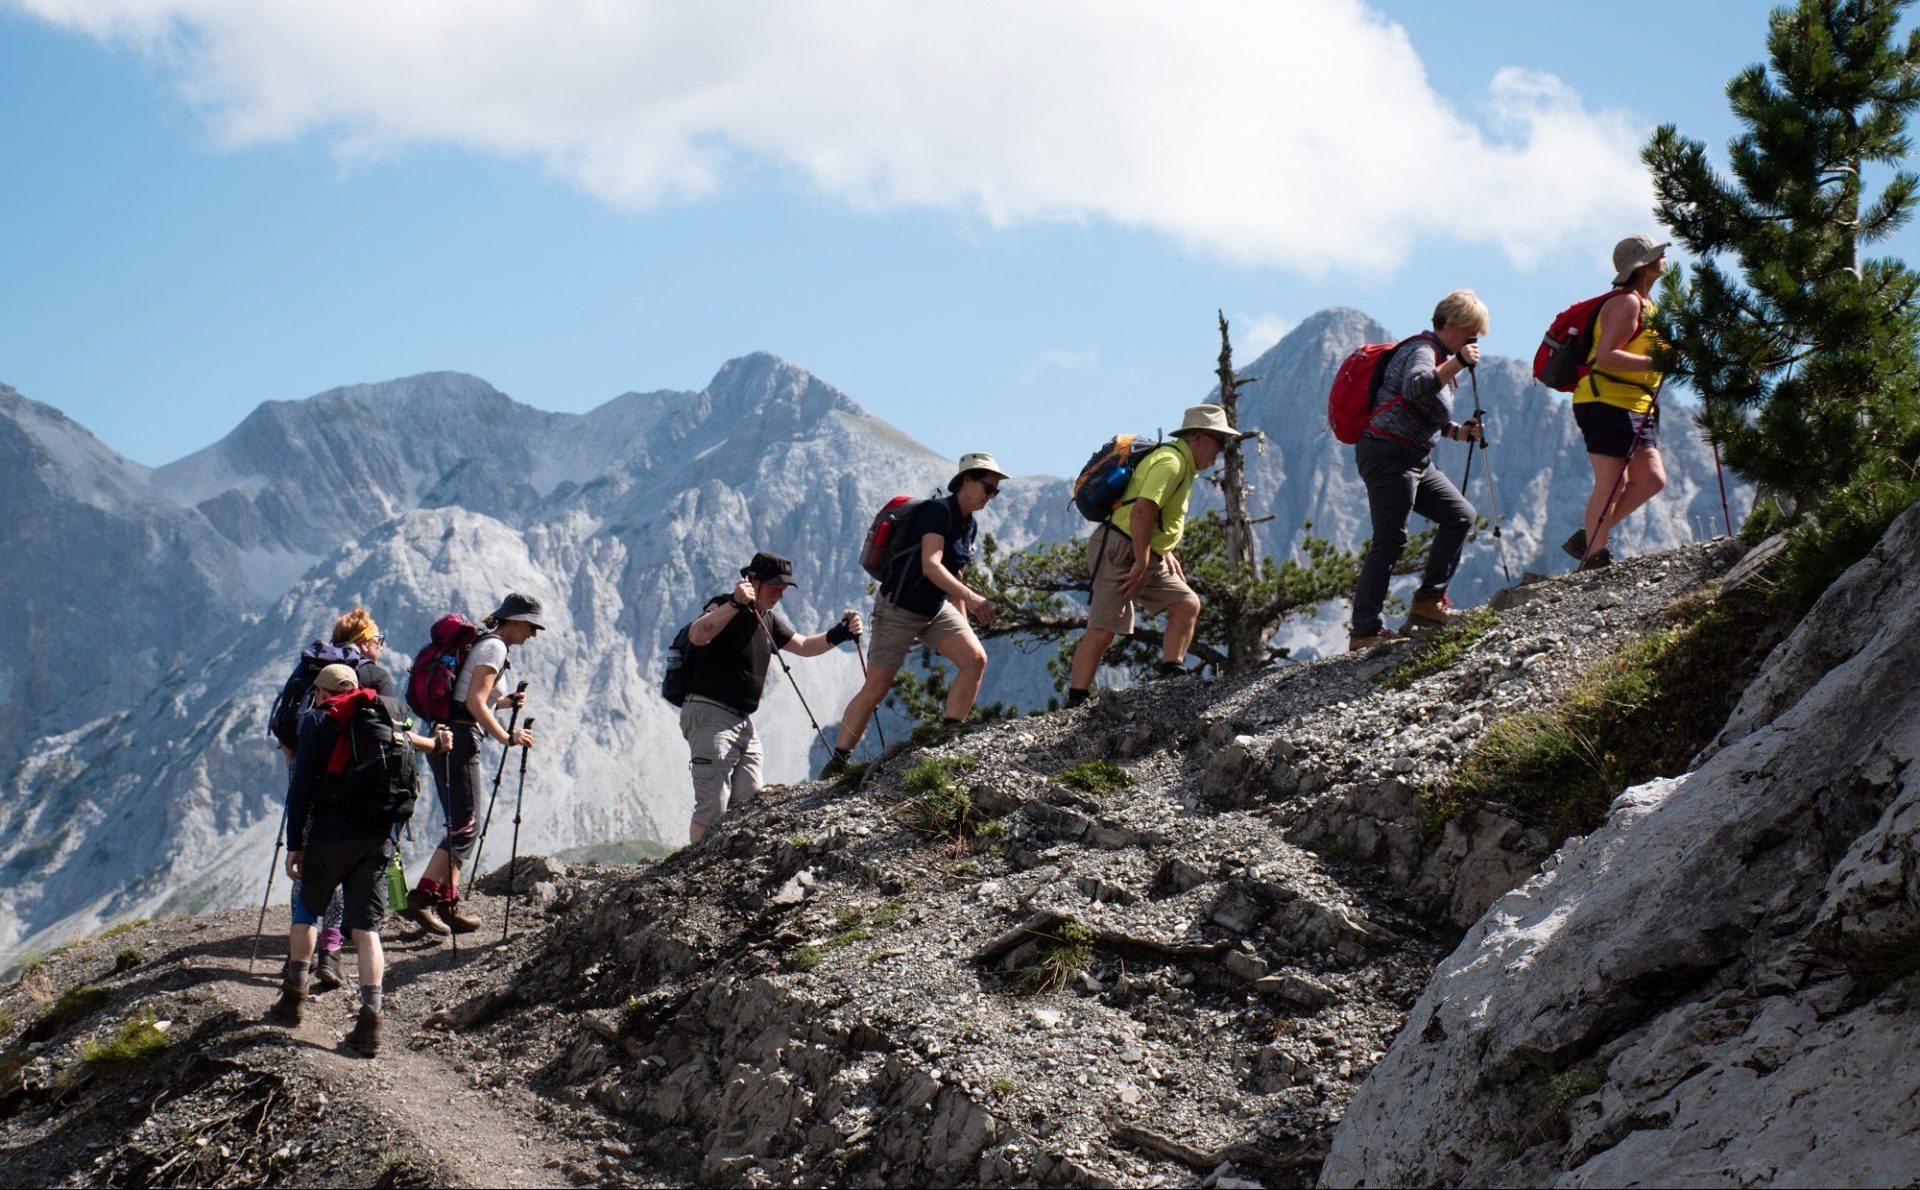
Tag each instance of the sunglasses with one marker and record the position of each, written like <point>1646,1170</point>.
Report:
<point>992,489</point>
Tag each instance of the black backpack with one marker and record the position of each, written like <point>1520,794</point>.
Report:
<point>283,718</point>
<point>381,780</point>
<point>678,678</point>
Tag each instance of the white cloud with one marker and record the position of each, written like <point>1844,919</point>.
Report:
<point>1254,333</point>
<point>1062,359</point>
<point>1299,133</point>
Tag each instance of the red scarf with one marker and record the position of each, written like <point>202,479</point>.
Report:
<point>338,709</point>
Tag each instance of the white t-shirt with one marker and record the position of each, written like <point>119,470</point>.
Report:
<point>489,651</point>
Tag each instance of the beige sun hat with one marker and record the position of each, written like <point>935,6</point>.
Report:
<point>337,679</point>
<point>1211,419</point>
<point>979,460</point>
<point>1635,252</point>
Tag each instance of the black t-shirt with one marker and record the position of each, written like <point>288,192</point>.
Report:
<point>374,677</point>
<point>732,667</point>
<point>908,587</point>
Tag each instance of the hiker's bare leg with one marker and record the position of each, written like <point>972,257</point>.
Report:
<point>439,869</point>
<point>853,722</point>
<point>300,942</point>
<point>1086,657</point>
<point>1606,473</point>
<point>970,659</point>
<point>1182,618</point>
<point>371,957</point>
<point>1646,475</point>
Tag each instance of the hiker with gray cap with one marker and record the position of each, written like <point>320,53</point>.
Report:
<point>477,694</point>
<point>1616,405</point>
<point>733,640</point>
<point>1132,558</point>
<point>1413,410</point>
<point>923,600</point>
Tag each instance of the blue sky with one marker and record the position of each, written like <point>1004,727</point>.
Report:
<point>191,225</point>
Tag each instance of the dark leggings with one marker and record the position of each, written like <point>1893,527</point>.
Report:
<point>457,780</point>
<point>1401,481</point>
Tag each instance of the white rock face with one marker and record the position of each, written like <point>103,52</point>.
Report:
<point>164,607</point>
<point>1715,987</point>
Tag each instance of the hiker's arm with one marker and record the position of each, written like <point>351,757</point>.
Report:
<point>823,642</point>
<point>1619,321</point>
<point>440,741</point>
<point>933,564</point>
<point>716,618</point>
<point>306,765</point>
<point>1141,523</point>
<point>1428,389</point>
<point>480,706</point>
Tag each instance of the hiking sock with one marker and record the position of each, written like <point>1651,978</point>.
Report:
<point>296,973</point>
<point>1076,696</point>
<point>434,889</point>
<point>372,996</point>
<point>950,721</point>
<point>330,938</point>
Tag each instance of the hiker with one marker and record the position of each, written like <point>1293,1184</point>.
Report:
<point>1131,558</point>
<point>1412,411</point>
<point>923,600</point>
<point>342,831</point>
<point>1615,405</point>
<point>733,640</point>
<point>477,694</point>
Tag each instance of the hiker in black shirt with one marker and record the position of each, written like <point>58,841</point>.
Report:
<point>923,600</point>
<point>733,640</point>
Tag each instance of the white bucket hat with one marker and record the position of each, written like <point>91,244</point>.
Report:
<point>979,460</point>
<point>1635,252</point>
<point>1211,419</point>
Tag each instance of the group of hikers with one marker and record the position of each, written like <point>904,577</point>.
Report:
<point>347,716</point>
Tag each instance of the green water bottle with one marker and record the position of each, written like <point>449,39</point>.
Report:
<point>396,883</point>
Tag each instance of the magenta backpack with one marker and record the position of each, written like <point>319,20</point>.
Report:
<point>437,667</point>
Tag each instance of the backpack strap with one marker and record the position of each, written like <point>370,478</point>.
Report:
<point>1159,518</point>
<point>1399,398</point>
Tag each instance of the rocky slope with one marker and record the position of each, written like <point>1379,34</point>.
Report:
<point>1717,985</point>
<point>130,709</point>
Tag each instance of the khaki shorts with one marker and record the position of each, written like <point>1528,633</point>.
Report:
<point>893,632</point>
<point>1109,558</point>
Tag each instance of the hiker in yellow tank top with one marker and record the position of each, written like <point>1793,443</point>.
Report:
<point>1615,405</point>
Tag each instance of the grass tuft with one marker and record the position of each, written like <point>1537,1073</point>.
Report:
<point>75,1005</point>
<point>1002,1086</point>
<point>942,804</point>
<point>127,959</point>
<point>124,927</point>
<point>1066,950</point>
<point>1439,651</point>
<point>1096,776</point>
<point>138,1038</point>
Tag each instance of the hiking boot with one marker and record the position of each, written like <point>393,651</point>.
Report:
<point>365,1037</point>
<point>1169,669</point>
<point>1597,559</point>
<point>286,1010</point>
<point>1382,635</point>
<point>1434,612</point>
<point>422,908</point>
<point>1575,547</point>
<point>836,765</point>
<point>326,973</point>
<point>461,921</point>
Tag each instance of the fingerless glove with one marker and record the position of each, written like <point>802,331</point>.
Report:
<point>839,634</point>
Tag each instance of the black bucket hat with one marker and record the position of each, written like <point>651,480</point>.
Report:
<point>770,568</point>
<point>520,607</point>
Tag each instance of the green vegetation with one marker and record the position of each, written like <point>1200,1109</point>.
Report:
<point>799,842</point>
<point>137,1038</point>
<point>1002,1086</point>
<point>1640,714</point>
<point>850,925</point>
<point>991,828</point>
<point>1806,353</point>
<point>124,927</point>
<point>127,959</point>
<point>6,1020</point>
<point>804,957</point>
<point>1096,776</point>
<point>1437,652</point>
<point>76,1005</point>
<point>942,805</point>
<point>1066,950</point>
<point>888,913</point>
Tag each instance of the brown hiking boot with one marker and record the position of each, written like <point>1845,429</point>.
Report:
<point>1382,635</point>
<point>462,921</point>
<point>1436,612</point>
<point>835,766</point>
<point>326,973</point>
<point>422,908</point>
<point>286,1010</point>
<point>1597,559</point>
<point>365,1037</point>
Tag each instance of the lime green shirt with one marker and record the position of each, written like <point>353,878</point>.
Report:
<point>1166,478</point>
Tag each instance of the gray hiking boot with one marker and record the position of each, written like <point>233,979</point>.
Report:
<point>422,908</point>
<point>286,1010</point>
<point>326,973</point>
<point>365,1037</point>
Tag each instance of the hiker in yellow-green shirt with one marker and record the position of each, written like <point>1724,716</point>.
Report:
<point>1132,557</point>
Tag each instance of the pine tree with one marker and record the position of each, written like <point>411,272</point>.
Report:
<point>1806,363</point>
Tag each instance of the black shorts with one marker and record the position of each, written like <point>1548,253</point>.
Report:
<point>359,866</point>
<point>1610,430</point>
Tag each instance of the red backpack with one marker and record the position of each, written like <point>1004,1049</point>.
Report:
<point>1350,401</point>
<point>437,667</point>
<point>877,555</point>
<point>1561,361</point>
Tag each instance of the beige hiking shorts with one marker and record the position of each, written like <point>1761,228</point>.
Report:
<point>893,632</point>
<point>1109,558</point>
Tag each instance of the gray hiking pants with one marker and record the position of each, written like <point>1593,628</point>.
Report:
<point>726,758</point>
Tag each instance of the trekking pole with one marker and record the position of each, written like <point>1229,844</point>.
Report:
<point>513,862</point>
<point>1493,495</point>
<point>279,836</point>
<point>788,670</point>
<point>1620,481</point>
<point>498,773</point>
<point>862,654</point>
<point>1726,518</point>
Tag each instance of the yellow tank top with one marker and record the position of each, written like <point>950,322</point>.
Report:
<point>1632,391</point>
